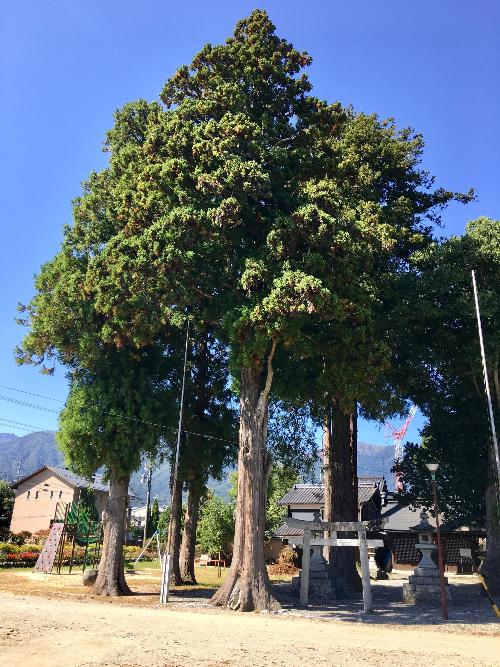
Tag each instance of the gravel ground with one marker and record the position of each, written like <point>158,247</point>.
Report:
<point>49,632</point>
<point>52,621</point>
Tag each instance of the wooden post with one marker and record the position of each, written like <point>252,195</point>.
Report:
<point>365,571</point>
<point>304,576</point>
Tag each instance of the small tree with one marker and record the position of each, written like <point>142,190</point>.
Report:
<point>163,523</point>
<point>216,525</point>
<point>104,418</point>
<point>281,480</point>
<point>443,373</point>
<point>154,518</point>
<point>7,498</point>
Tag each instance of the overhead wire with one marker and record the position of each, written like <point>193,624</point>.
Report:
<point>20,424</point>
<point>112,414</point>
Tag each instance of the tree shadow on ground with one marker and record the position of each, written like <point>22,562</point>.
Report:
<point>468,606</point>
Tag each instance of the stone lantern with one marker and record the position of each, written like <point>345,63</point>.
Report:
<point>423,585</point>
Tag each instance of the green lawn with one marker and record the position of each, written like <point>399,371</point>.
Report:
<point>207,577</point>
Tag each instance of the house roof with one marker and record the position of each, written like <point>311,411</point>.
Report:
<point>313,494</point>
<point>399,518</point>
<point>70,477</point>
<point>287,531</point>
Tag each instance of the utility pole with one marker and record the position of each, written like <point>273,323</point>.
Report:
<point>167,558</point>
<point>487,383</point>
<point>148,475</point>
<point>432,467</point>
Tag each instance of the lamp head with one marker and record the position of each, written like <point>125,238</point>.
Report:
<point>432,467</point>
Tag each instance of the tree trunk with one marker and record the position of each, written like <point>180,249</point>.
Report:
<point>247,586</point>
<point>111,576</point>
<point>174,539</point>
<point>490,568</point>
<point>188,544</point>
<point>340,438</point>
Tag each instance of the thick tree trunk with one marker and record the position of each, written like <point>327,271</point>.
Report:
<point>340,436</point>
<point>174,538</point>
<point>247,586</point>
<point>490,568</point>
<point>187,555</point>
<point>111,577</point>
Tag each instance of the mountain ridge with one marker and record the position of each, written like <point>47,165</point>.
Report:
<point>22,455</point>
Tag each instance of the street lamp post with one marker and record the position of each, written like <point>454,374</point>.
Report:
<point>432,467</point>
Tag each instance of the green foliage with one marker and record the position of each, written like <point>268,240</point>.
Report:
<point>110,417</point>
<point>269,213</point>
<point>443,366</point>
<point>7,498</point>
<point>155,517</point>
<point>216,525</point>
<point>281,480</point>
<point>163,523</point>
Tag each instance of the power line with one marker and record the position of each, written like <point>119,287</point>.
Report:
<point>112,414</point>
<point>27,405</point>
<point>10,421</point>
<point>23,391</point>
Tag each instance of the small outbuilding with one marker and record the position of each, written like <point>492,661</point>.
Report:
<point>305,499</point>
<point>460,544</point>
<point>38,494</point>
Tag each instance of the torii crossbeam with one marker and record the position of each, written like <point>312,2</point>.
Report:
<point>333,527</point>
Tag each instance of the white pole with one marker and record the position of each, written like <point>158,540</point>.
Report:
<point>167,560</point>
<point>181,410</point>
<point>144,549</point>
<point>486,381</point>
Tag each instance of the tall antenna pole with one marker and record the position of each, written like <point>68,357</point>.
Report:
<point>167,560</point>
<point>486,381</point>
<point>179,435</point>
<point>181,409</point>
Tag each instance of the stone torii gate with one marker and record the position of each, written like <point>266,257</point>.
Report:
<point>332,528</point>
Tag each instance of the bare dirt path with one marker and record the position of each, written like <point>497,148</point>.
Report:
<point>73,633</point>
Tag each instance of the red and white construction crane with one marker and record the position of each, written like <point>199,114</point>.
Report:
<point>397,434</point>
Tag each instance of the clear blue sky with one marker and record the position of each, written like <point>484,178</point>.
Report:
<point>66,65</point>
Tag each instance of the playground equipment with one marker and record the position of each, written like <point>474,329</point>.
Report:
<point>75,524</point>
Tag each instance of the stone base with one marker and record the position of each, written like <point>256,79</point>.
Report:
<point>89,577</point>
<point>424,590</point>
<point>381,575</point>
<point>320,587</point>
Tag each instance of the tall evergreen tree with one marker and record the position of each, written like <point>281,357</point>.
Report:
<point>272,216</point>
<point>444,376</point>
<point>266,214</point>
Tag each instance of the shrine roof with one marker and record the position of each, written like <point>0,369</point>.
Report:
<point>313,494</point>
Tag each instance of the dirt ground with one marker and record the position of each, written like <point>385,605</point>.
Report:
<point>50,620</point>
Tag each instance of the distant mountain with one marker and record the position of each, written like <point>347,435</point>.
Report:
<point>29,452</point>
<point>7,437</point>
<point>376,460</point>
<point>21,455</point>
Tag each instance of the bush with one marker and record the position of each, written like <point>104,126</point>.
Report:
<point>21,559</point>
<point>286,563</point>
<point>20,538</point>
<point>130,553</point>
<point>10,548</point>
<point>40,536</point>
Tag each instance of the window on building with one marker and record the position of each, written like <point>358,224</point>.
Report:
<point>29,494</point>
<point>60,494</point>
<point>36,495</point>
<point>51,495</point>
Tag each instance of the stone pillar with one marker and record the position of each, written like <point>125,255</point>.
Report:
<point>423,585</point>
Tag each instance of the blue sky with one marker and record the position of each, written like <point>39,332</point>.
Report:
<point>66,65</point>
